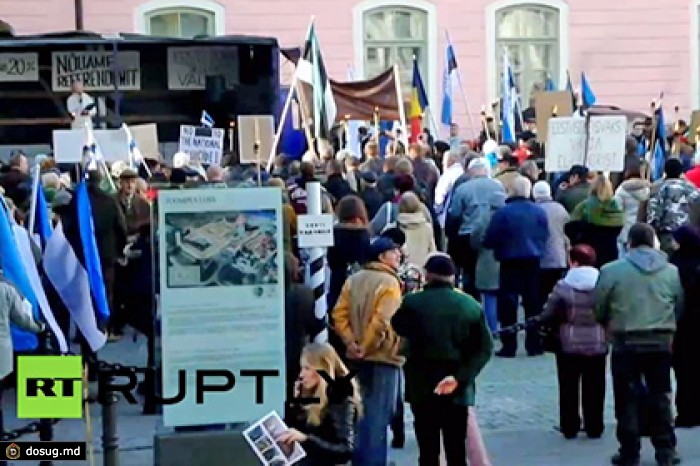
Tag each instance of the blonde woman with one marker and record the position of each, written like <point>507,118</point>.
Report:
<point>325,430</point>
<point>598,221</point>
<point>420,239</point>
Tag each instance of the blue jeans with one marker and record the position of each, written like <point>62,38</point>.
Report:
<point>379,386</point>
<point>490,303</point>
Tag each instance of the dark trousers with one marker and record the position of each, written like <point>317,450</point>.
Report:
<point>549,278</point>
<point>631,372</point>
<point>581,377</point>
<point>433,417</point>
<point>465,258</point>
<point>519,278</point>
<point>398,428</point>
<point>117,294</point>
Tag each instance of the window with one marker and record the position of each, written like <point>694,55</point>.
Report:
<point>182,23</point>
<point>530,36</point>
<point>184,19</point>
<point>395,35</point>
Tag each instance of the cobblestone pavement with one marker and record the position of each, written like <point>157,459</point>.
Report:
<point>516,405</point>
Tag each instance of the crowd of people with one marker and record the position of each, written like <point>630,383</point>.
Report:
<point>437,244</point>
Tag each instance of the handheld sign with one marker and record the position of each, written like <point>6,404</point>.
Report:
<point>205,144</point>
<point>315,231</point>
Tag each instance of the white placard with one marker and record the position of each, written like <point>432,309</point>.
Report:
<point>315,231</point>
<point>607,137</point>
<point>566,143</point>
<point>222,300</point>
<point>252,128</point>
<point>19,67</point>
<point>188,67</point>
<point>68,144</point>
<point>203,144</point>
<point>96,70</point>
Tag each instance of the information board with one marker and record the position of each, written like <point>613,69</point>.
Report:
<point>203,144</point>
<point>96,70</point>
<point>188,67</point>
<point>222,300</point>
<point>19,67</point>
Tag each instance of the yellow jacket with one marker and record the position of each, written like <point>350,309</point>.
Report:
<point>363,313</point>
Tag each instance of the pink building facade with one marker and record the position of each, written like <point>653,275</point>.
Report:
<point>631,50</point>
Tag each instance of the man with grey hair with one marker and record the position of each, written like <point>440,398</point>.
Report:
<point>468,217</point>
<point>518,235</point>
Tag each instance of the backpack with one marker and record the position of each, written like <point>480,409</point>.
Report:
<point>581,333</point>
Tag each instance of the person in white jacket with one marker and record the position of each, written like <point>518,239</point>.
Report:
<point>81,107</point>
<point>453,169</point>
<point>629,195</point>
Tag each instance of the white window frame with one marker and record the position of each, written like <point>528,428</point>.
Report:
<point>143,12</point>
<point>695,54</point>
<point>358,14</point>
<point>492,55</point>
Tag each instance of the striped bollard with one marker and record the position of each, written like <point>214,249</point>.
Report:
<point>316,265</point>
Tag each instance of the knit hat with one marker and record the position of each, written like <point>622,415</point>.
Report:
<point>380,246</point>
<point>541,190</point>
<point>441,265</point>
<point>395,234</point>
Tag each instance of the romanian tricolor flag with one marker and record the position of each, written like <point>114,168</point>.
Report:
<point>419,102</point>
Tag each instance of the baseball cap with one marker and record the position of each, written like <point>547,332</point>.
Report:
<point>380,246</point>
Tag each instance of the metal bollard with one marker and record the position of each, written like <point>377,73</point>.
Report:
<point>110,437</point>
<point>45,425</point>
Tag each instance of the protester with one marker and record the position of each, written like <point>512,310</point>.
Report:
<point>371,195</point>
<point>468,217</point>
<point>554,260</point>
<point>638,298</point>
<point>16,183</point>
<point>373,161</point>
<point>597,221</point>
<point>350,248</point>
<point>629,195</point>
<point>362,318</point>
<point>575,189</point>
<point>507,171</point>
<point>425,171</point>
<point>686,347</point>
<point>448,343</point>
<point>385,182</point>
<point>518,234</point>
<point>335,184</point>
<point>669,208</point>
<point>325,430</point>
<point>420,242</point>
<point>443,191</point>
<point>570,309</point>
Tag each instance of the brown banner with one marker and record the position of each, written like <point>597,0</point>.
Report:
<point>358,100</point>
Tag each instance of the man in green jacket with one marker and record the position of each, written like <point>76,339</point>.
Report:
<point>638,298</point>
<point>447,345</point>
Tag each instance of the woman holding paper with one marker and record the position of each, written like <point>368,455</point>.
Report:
<point>326,429</point>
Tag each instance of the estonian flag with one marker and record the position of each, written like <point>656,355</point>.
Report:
<point>448,85</point>
<point>312,71</point>
<point>72,264</point>
<point>206,119</point>
<point>14,271</point>
<point>39,221</point>
<point>508,96</point>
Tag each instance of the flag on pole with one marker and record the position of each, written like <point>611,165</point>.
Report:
<point>312,72</point>
<point>135,156</point>
<point>39,221</point>
<point>13,271</point>
<point>570,88</point>
<point>587,96</point>
<point>69,277</point>
<point>86,230</point>
<point>508,95</point>
<point>659,153</point>
<point>206,119</point>
<point>448,85</point>
<point>549,85</point>
<point>419,102</point>
<point>96,161</point>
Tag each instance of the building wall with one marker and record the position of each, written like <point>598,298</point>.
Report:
<point>631,50</point>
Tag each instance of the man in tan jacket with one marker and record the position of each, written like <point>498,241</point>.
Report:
<point>362,319</point>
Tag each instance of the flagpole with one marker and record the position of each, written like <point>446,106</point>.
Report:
<point>402,108</point>
<point>32,206</point>
<point>461,88</point>
<point>285,109</point>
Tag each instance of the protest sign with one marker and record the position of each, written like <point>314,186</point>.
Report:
<point>188,67</point>
<point>566,143</point>
<point>252,129</point>
<point>203,144</point>
<point>96,70</point>
<point>222,301</point>
<point>68,144</point>
<point>545,104</point>
<point>17,67</point>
